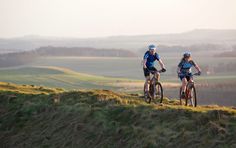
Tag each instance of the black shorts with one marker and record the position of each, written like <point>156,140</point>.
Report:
<point>187,76</point>
<point>147,71</point>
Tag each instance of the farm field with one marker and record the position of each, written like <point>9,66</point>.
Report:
<point>56,77</point>
<point>128,67</point>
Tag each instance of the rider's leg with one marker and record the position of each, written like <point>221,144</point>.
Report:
<point>158,76</point>
<point>191,79</point>
<point>184,83</point>
<point>147,77</point>
<point>146,83</point>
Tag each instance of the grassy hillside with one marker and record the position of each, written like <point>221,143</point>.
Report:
<point>27,89</point>
<point>101,118</point>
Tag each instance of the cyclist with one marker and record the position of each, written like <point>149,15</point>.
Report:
<point>149,59</point>
<point>184,71</point>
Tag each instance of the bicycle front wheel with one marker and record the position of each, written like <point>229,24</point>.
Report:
<point>156,92</point>
<point>147,97</point>
<point>191,97</point>
<point>181,100</point>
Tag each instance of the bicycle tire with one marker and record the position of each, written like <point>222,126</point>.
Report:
<point>180,96</point>
<point>146,98</point>
<point>192,90</point>
<point>156,97</point>
<point>195,96</point>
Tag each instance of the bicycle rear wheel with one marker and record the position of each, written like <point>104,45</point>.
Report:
<point>191,97</point>
<point>156,92</point>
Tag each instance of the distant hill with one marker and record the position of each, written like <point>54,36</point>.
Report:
<point>33,116</point>
<point>195,48</point>
<point>17,58</point>
<point>83,51</point>
<point>21,58</point>
<point>228,53</point>
<point>198,36</point>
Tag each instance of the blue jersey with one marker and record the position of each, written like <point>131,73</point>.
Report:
<point>151,59</point>
<point>185,66</point>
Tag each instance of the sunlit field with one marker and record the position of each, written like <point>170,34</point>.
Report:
<point>128,67</point>
<point>118,73</point>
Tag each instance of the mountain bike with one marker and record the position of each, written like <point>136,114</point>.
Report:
<point>190,93</point>
<point>155,92</point>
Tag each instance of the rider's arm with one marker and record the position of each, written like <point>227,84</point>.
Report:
<point>178,70</point>
<point>145,57</point>
<point>161,64</point>
<point>144,63</point>
<point>198,68</point>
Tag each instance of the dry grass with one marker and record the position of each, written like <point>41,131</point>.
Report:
<point>28,89</point>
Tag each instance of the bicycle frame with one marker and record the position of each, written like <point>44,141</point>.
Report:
<point>153,82</point>
<point>188,90</point>
<point>154,78</point>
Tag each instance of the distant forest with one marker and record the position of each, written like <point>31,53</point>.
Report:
<point>21,58</point>
<point>25,57</point>
<point>17,59</point>
<point>83,51</point>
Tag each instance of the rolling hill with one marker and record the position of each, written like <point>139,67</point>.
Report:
<point>102,118</point>
<point>210,89</point>
<point>25,57</point>
<point>135,42</point>
<point>51,76</point>
<point>83,52</point>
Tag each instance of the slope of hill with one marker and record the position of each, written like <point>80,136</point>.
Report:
<point>27,89</point>
<point>57,77</point>
<point>102,118</point>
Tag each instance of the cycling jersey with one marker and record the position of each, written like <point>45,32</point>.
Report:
<point>151,59</point>
<point>185,66</point>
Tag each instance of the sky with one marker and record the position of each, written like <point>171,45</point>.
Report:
<point>99,18</point>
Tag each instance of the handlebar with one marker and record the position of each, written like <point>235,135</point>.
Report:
<point>154,71</point>
<point>195,74</point>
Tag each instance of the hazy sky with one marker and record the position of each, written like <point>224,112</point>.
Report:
<point>93,18</point>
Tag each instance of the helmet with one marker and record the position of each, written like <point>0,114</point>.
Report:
<point>152,47</point>
<point>186,54</point>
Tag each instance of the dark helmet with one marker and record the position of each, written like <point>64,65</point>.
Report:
<point>187,55</point>
<point>152,47</point>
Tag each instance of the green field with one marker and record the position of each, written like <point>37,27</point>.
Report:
<point>57,77</point>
